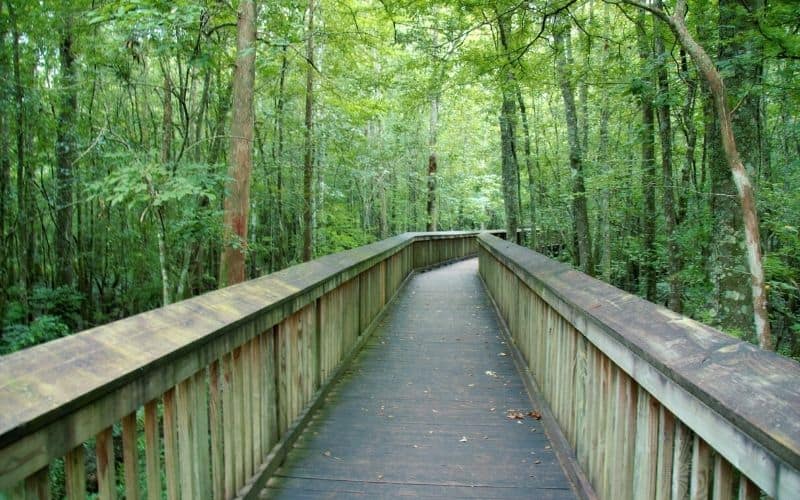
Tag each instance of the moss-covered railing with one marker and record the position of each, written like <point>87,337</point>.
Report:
<point>200,399</point>
<point>653,404</point>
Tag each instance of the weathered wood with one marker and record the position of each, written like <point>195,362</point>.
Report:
<point>215,386</point>
<point>104,450</point>
<point>186,434</point>
<point>701,470</point>
<point>228,426</point>
<point>152,451</point>
<point>681,462</point>
<point>723,479</point>
<point>666,440</point>
<point>678,361</point>
<point>75,474</point>
<point>38,485</point>
<point>200,439</point>
<point>171,445</point>
<point>645,456</point>
<point>748,490</point>
<point>130,457</point>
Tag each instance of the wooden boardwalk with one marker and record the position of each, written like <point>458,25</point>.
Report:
<point>423,409</point>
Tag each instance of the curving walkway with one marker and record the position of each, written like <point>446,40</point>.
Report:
<point>422,411</point>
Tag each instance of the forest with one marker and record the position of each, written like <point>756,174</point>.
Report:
<point>153,150</point>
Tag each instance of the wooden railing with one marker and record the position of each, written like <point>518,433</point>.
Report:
<point>211,391</point>
<point>653,404</point>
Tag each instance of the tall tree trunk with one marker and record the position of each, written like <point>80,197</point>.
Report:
<point>508,138</point>
<point>528,167</point>
<point>674,300</point>
<point>689,175</point>
<point>647,140</point>
<point>237,199</point>
<point>25,228</point>
<point>65,156</point>
<point>432,165</point>
<point>579,210</point>
<point>744,189</point>
<point>5,174</point>
<point>277,156</point>
<point>308,168</point>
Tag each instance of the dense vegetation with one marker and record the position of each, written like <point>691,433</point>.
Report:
<point>584,120</point>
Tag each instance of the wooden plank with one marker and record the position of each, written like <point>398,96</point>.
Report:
<point>38,485</point>
<point>666,441</point>
<point>748,490</point>
<point>256,392</point>
<point>104,449</point>
<point>186,432</point>
<point>701,470</point>
<point>723,479</point>
<point>681,461</point>
<point>130,457</point>
<point>646,446</point>
<point>271,396</point>
<point>171,444</point>
<point>238,418</point>
<point>228,427</point>
<point>152,451</point>
<point>246,394</point>
<point>215,387</point>
<point>75,473</point>
<point>200,438</point>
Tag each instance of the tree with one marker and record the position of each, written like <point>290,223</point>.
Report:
<point>237,199</point>
<point>308,159</point>
<point>744,188</point>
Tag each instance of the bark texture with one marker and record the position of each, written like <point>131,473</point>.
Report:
<point>237,199</point>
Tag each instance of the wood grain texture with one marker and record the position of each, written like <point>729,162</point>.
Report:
<point>751,419</point>
<point>130,457</point>
<point>106,478</point>
<point>75,474</point>
<point>152,451</point>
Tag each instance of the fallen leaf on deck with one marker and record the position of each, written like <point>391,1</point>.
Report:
<point>491,373</point>
<point>463,439</point>
<point>535,414</point>
<point>515,415</point>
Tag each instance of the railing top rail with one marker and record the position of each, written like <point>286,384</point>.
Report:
<point>43,383</point>
<point>755,390</point>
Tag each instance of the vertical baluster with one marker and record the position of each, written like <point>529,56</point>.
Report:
<point>238,417</point>
<point>200,438</point>
<point>152,450</point>
<point>666,440</point>
<point>215,422</point>
<point>171,445</point>
<point>701,465</point>
<point>723,479</point>
<point>37,485</point>
<point>247,410</point>
<point>228,426</point>
<point>646,446</point>
<point>75,473</point>
<point>681,462</point>
<point>130,457</point>
<point>748,490</point>
<point>106,482</point>
<point>256,394</point>
<point>186,431</point>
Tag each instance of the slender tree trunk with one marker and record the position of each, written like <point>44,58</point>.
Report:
<point>674,300</point>
<point>25,228</point>
<point>528,167</point>
<point>579,210</point>
<point>5,174</point>
<point>308,170</point>
<point>237,199</point>
<point>744,188</point>
<point>65,156</point>
<point>508,138</point>
<point>432,165</point>
<point>689,175</point>
<point>647,140</point>
<point>277,155</point>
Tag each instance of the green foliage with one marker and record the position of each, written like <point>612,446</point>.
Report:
<point>43,329</point>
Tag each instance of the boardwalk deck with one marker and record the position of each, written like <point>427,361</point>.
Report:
<point>422,411</point>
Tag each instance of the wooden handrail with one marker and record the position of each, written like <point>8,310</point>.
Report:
<point>655,405</point>
<point>214,383</point>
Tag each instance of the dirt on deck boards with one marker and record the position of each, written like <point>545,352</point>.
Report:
<point>423,411</point>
